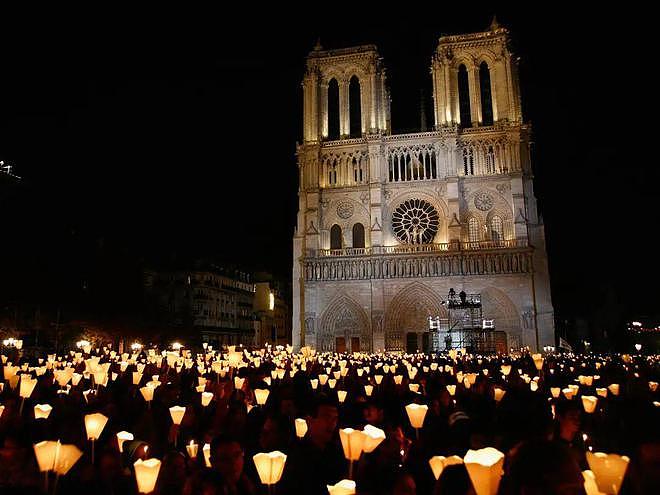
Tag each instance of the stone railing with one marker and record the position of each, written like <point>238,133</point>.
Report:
<point>431,264</point>
<point>420,248</point>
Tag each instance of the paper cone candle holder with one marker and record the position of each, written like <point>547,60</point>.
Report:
<point>451,389</point>
<point>653,386</point>
<point>498,393</point>
<point>601,392</point>
<point>301,427</point>
<point>368,389</point>
<point>484,467</point>
<point>146,474</point>
<point>207,397</point>
<point>261,395</point>
<point>270,466</point>
<point>332,382</point>
<point>373,437</point>
<point>398,379</point>
<point>137,376</point>
<point>53,456</point>
<point>414,387</point>
<point>177,413</point>
<point>192,449</point>
<point>439,462</point>
<point>42,411</point>
<point>315,383</point>
<point>94,424</point>
<point>538,361</point>
<point>341,395</point>
<point>555,391</point>
<point>122,437</point>
<point>416,414</point>
<point>206,452</point>
<point>614,388</point>
<point>505,369</point>
<point>589,403</point>
<point>609,470</point>
<point>344,487</point>
<point>147,393</point>
<point>27,386</point>
<point>352,441</point>
<point>45,453</point>
<point>238,382</point>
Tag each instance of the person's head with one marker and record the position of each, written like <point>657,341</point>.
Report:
<point>227,458</point>
<point>568,414</point>
<point>270,436</point>
<point>541,467</point>
<point>322,421</point>
<point>373,414</point>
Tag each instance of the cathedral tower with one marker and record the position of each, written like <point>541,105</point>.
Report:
<point>387,224</point>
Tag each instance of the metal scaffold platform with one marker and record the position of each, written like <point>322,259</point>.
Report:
<point>465,326</point>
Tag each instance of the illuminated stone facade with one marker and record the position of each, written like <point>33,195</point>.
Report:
<point>388,223</point>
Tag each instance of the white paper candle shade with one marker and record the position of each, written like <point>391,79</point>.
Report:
<point>261,395</point>
<point>373,437</point>
<point>42,411</point>
<point>352,442</point>
<point>206,398</point>
<point>484,467</point>
<point>27,386</point>
<point>301,427</point>
<point>146,474</point>
<point>416,414</point>
<point>192,449</point>
<point>177,413</point>
<point>589,403</point>
<point>343,487</point>
<point>609,470</point>
<point>206,452</point>
<point>270,466</point>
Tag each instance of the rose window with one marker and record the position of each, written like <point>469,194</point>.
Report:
<point>415,221</point>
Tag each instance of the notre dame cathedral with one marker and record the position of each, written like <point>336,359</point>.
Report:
<point>389,223</point>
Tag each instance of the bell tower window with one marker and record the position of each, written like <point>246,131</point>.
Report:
<point>486,96</point>
<point>354,107</point>
<point>333,110</point>
<point>464,97</point>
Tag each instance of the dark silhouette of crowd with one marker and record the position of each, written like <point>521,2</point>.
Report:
<point>544,438</point>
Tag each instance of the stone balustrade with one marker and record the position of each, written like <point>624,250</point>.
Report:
<point>368,265</point>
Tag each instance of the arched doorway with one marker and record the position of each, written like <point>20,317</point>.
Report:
<point>408,316</point>
<point>343,327</point>
<point>499,307</point>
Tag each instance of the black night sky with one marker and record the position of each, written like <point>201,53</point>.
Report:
<point>154,138</point>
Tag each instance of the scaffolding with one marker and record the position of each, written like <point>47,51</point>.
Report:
<point>465,326</point>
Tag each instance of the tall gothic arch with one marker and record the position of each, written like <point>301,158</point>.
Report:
<point>409,312</point>
<point>343,318</point>
<point>499,307</point>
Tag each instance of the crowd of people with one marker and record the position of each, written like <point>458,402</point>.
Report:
<point>508,402</point>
